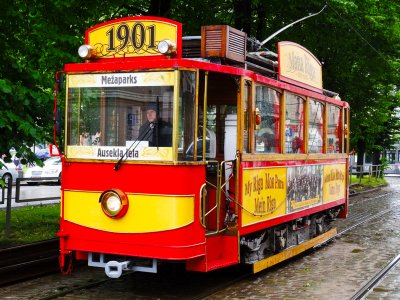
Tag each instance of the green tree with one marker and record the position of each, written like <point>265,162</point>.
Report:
<point>358,42</point>
<point>29,57</point>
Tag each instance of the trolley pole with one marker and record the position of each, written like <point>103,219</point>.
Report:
<point>290,25</point>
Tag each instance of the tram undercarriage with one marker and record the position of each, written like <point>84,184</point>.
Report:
<point>262,244</point>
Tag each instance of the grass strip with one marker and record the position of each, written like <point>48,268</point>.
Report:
<point>30,224</point>
<point>367,180</point>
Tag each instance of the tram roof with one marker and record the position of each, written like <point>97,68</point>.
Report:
<point>220,49</point>
<point>129,65</point>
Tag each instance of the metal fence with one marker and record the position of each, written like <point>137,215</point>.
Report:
<point>362,171</point>
<point>6,197</point>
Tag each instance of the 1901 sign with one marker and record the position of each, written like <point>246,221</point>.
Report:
<point>135,36</point>
<point>131,37</point>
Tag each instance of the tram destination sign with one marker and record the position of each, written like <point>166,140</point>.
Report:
<point>299,66</point>
<point>133,37</point>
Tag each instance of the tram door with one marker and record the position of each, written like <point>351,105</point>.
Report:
<point>221,94</point>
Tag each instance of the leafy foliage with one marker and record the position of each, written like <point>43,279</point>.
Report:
<point>357,41</point>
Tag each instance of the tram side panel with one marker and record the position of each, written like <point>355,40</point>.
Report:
<point>287,204</point>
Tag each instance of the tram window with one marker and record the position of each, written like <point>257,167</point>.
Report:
<point>212,124</point>
<point>157,111</point>
<point>315,126</point>
<point>187,118</point>
<point>294,123</point>
<point>210,145</point>
<point>112,116</point>
<point>212,117</point>
<point>346,130</point>
<point>334,130</point>
<point>267,134</point>
<point>246,108</point>
<point>83,116</point>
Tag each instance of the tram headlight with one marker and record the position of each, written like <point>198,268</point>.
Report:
<point>86,51</point>
<point>166,47</point>
<point>114,203</point>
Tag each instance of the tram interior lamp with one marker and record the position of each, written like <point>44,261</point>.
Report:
<point>166,47</point>
<point>86,52</point>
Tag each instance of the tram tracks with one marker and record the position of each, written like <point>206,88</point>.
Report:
<point>367,199</point>
<point>28,261</point>
<point>374,281</point>
<point>356,220</point>
<point>360,219</point>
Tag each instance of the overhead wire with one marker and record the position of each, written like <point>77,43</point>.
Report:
<point>357,32</point>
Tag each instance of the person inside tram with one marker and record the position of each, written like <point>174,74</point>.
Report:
<point>96,138</point>
<point>266,137</point>
<point>156,131</point>
<point>297,145</point>
<point>86,139</point>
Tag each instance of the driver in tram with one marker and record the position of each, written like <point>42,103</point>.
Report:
<point>156,131</point>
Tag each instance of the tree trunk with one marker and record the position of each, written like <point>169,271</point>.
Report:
<point>262,16</point>
<point>376,162</point>
<point>242,15</point>
<point>160,8</point>
<point>360,157</point>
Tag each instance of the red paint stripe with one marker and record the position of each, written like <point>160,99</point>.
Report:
<point>183,243</point>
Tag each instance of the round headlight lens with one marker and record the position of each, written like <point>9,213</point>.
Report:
<point>86,51</point>
<point>166,47</point>
<point>114,203</point>
<point>163,47</point>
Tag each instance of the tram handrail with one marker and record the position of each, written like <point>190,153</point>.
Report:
<point>221,184</point>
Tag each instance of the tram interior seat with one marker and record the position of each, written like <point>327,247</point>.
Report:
<point>211,146</point>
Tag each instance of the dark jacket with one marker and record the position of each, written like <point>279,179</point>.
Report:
<point>161,129</point>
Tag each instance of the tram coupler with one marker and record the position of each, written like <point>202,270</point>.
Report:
<point>114,268</point>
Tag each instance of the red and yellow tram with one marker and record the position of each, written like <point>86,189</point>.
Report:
<point>194,149</point>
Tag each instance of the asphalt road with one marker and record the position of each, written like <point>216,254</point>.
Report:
<point>32,194</point>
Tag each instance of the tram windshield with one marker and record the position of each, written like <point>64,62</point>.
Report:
<point>130,114</point>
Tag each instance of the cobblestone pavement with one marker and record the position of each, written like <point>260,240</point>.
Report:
<point>337,270</point>
<point>334,271</point>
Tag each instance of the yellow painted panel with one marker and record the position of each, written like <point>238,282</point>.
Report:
<point>115,39</point>
<point>264,194</point>
<point>297,63</point>
<point>121,79</point>
<point>146,213</point>
<point>334,182</point>
<point>114,153</point>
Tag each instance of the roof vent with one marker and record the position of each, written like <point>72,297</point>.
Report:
<point>223,41</point>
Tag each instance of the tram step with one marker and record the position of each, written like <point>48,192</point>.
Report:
<point>221,251</point>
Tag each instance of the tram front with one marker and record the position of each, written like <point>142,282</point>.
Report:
<point>128,188</point>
